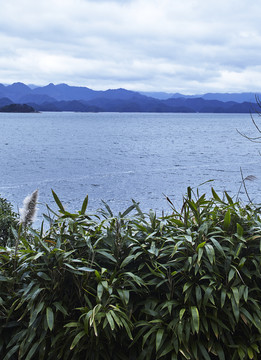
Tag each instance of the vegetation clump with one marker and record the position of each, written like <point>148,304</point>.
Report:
<point>181,286</point>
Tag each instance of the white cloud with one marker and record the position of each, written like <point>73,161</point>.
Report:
<point>171,45</point>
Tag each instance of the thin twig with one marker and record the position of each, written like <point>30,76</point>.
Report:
<point>244,184</point>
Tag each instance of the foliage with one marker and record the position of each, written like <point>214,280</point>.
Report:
<point>182,286</point>
<point>8,220</point>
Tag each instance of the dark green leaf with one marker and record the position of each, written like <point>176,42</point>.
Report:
<point>58,202</point>
<point>84,205</point>
<point>50,318</point>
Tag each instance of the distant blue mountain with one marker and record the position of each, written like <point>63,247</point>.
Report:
<point>63,97</point>
<point>236,97</point>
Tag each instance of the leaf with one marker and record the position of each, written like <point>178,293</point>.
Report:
<point>241,353</point>
<point>227,219</point>
<point>220,352</point>
<point>235,309</point>
<point>59,307</point>
<point>210,253</point>
<point>127,328</point>
<point>77,339</point>
<point>201,245</point>
<point>110,321</point>
<point>200,253</point>
<point>245,294</point>
<point>198,295</point>
<point>36,311</point>
<point>99,291</point>
<point>195,318</point>
<point>107,255</point>
<point>181,313</point>
<point>84,205</point>
<point>217,245</point>
<point>203,351</point>
<point>127,211</point>
<point>230,201</point>
<point>236,295</point>
<point>240,230</point>
<point>84,268</point>
<point>43,276</point>
<point>215,196</point>
<point>108,208</point>
<point>159,337</point>
<point>32,350</point>
<point>207,295</point>
<point>50,318</point>
<point>231,274</point>
<point>223,297</point>
<point>186,286</point>
<point>58,202</point>
<point>168,347</point>
<point>124,295</point>
<point>250,353</point>
<point>11,352</point>
<point>127,260</point>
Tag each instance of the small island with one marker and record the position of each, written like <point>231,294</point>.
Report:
<point>17,108</point>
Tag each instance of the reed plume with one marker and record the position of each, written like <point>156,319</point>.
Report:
<point>29,209</point>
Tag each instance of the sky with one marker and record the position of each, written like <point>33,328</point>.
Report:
<point>187,46</point>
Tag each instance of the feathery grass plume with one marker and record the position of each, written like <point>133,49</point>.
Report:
<point>29,210</point>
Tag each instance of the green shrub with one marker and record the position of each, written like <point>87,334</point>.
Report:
<point>8,219</point>
<point>182,286</point>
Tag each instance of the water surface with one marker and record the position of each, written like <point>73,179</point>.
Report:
<point>120,156</point>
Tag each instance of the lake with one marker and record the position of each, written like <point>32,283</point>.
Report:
<point>122,156</point>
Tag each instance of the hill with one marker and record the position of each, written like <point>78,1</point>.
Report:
<point>63,97</point>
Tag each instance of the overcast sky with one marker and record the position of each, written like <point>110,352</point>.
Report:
<point>188,46</point>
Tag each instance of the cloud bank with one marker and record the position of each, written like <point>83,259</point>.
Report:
<point>189,46</point>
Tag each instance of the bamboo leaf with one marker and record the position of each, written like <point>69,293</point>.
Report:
<point>220,352</point>
<point>250,353</point>
<point>107,255</point>
<point>32,351</point>
<point>198,295</point>
<point>99,291</point>
<point>210,253</point>
<point>207,295</point>
<point>12,351</point>
<point>217,245</point>
<point>231,274</point>
<point>59,307</point>
<point>50,318</point>
<point>201,245</point>
<point>77,339</point>
<point>240,230</point>
<point>127,211</point>
<point>223,297</point>
<point>195,318</point>
<point>167,349</point>
<point>230,201</point>
<point>58,202</point>
<point>215,196</point>
<point>235,309</point>
<point>127,260</point>
<point>159,337</point>
<point>84,205</point>
<point>203,351</point>
<point>236,295</point>
<point>110,320</point>
<point>181,313</point>
<point>227,219</point>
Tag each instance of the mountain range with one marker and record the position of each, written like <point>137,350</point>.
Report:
<point>63,97</point>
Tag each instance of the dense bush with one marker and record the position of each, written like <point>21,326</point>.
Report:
<point>8,220</point>
<point>182,286</point>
